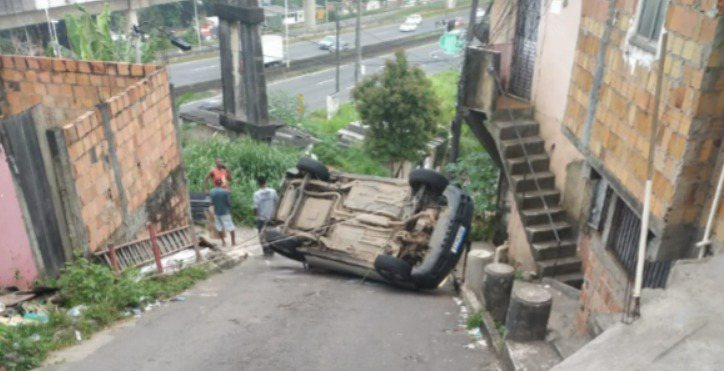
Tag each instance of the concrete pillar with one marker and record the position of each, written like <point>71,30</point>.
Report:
<point>310,13</point>
<point>131,19</point>
<point>478,258</point>
<point>242,68</point>
<point>230,54</point>
<point>497,284</point>
<point>528,314</point>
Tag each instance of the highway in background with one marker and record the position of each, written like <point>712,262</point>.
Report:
<point>208,69</point>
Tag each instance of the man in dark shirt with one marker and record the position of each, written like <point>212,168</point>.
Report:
<point>221,199</point>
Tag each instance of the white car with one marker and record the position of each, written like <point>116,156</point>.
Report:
<point>414,18</point>
<point>479,13</point>
<point>408,27</point>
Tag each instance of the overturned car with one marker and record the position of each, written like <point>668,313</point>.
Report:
<point>410,233</point>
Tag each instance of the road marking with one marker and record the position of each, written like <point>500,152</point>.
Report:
<point>324,82</point>
<point>204,68</point>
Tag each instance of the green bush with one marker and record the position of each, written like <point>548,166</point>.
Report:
<point>104,297</point>
<point>351,159</point>
<point>246,159</point>
<point>477,174</point>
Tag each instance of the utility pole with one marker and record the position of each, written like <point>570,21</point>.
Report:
<point>357,43</point>
<point>336,48</point>
<point>457,121</point>
<point>286,32</point>
<point>196,21</point>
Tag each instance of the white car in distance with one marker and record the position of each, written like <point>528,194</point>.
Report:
<point>408,27</point>
<point>414,18</point>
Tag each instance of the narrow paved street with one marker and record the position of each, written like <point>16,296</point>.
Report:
<point>274,315</point>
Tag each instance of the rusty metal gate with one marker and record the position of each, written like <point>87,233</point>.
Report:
<point>20,138</point>
<point>524,47</point>
<point>624,242</point>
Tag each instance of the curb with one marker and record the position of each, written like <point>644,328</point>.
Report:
<point>488,328</point>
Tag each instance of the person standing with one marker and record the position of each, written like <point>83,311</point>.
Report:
<point>221,199</point>
<point>264,201</point>
<point>219,172</point>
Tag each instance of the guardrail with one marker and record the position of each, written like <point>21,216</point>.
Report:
<point>319,62</point>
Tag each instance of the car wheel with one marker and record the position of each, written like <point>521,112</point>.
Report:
<point>394,270</point>
<point>433,180</point>
<point>314,168</point>
<point>283,244</point>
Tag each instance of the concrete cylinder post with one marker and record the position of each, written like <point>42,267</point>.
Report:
<point>497,284</point>
<point>528,314</point>
<point>477,260</point>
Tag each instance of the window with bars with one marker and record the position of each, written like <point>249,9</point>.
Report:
<point>651,19</point>
<point>623,243</point>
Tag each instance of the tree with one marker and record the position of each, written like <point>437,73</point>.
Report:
<point>401,110</point>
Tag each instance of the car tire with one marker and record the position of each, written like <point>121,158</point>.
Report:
<point>283,244</point>
<point>392,269</point>
<point>314,168</point>
<point>433,180</point>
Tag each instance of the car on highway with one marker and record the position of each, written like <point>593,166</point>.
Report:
<point>407,232</point>
<point>329,41</point>
<point>414,18</point>
<point>343,45</point>
<point>326,42</point>
<point>408,27</point>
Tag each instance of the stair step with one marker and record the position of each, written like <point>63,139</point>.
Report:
<point>527,182</point>
<point>547,232</point>
<point>551,250</point>
<point>571,279</point>
<point>519,165</point>
<point>511,130</point>
<point>534,199</point>
<point>540,216</point>
<point>514,148</point>
<point>551,267</point>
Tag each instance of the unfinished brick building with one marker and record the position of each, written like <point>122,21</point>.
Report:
<point>94,156</point>
<point>580,80</point>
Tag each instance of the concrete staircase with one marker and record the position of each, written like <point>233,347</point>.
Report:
<point>526,163</point>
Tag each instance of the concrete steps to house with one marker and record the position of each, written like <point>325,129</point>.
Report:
<point>527,164</point>
<point>511,130</point>
<point>560,266</point>
<point>513,148</point>
<point>519,166</point>
<point>548,231</point>
<point>534,199</point>
<point>571,279</point>
<point>551,249</point>
<point>540,216</point>
<point>533,181</point>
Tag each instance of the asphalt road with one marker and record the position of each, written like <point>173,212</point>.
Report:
<point>274,315</point>
<point>317,85</point>
<point>186,73</point>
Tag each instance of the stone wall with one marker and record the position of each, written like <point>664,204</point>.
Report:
<point>115,124</point>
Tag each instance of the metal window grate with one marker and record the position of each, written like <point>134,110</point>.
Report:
<point>624,241</point>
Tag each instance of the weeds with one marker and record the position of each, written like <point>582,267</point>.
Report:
<point>104,296</point>
<point>475,320</point>
<point>246,159</point>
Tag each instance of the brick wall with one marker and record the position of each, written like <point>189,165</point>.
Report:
<point>613,128</point>
<point>117,123</point>
<point>691,112</point>
<point>67,87</point>
<point>143,135</point>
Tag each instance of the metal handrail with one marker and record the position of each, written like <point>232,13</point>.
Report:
<point>500,89</point>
